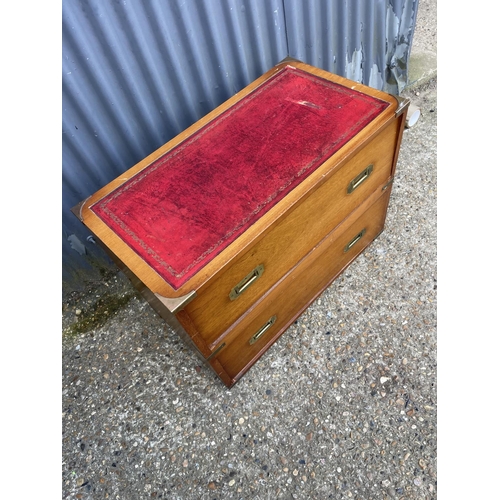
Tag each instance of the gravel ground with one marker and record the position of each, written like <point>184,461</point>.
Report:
<point>342,406</point>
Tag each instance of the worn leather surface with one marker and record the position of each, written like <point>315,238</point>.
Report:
<point>186,207</point>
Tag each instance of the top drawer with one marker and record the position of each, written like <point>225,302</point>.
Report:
<point>220,303</point>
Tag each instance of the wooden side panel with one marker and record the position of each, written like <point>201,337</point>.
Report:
<point>401,119</point>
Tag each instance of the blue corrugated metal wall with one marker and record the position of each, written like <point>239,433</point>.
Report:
<point>136,73</point>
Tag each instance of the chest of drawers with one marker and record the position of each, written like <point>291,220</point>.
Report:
<point>231,229</point>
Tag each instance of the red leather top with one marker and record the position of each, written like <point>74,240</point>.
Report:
<point>182,210</point>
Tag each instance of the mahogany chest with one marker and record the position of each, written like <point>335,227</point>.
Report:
<point>231,229</point>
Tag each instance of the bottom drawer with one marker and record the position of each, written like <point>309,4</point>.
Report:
<point>250,337</point>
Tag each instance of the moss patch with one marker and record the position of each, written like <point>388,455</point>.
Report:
<point>97,314</point>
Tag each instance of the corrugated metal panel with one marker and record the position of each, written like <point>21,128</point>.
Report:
<point>368,41</point>
<point>136,73</point>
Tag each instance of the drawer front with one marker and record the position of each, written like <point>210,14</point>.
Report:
<point>251,275</point>
<point>270,317</point>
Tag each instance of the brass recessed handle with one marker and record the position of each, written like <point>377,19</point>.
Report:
<point>354,240</point>
<point>257,335</point>
<point>359,179</point>
<point>246,282</point>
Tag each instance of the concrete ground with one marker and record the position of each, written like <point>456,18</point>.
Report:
<point>344,405</point>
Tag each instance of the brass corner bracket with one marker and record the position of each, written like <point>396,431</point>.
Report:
<point>176,304</point>
<point>403,103</point>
